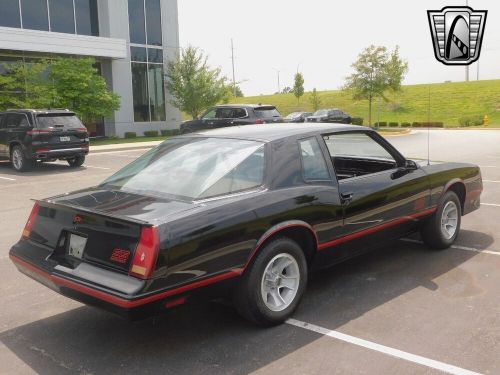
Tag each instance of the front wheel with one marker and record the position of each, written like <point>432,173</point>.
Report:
<point>274,283</point>
<point>77,161</point>
<point>441,230</point>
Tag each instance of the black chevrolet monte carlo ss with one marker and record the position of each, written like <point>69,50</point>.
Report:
<point>246,212</point>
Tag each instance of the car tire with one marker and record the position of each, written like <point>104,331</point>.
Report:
<point>77,161</point>
<point>257,295</point>
<point>440,231</point>
<point>19,161</point>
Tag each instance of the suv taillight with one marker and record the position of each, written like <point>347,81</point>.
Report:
<point>146,253</point>
<point>38,131</point>
<point>31,221</point>
<point>259,121</point>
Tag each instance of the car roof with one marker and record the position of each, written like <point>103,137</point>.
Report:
<point>39,111</point>
<point>272,132</point>
<point>234,105</point>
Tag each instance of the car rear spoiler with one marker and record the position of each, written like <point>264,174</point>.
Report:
<point>47,202</point>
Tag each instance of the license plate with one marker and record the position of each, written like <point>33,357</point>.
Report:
<point>64,139</point>
<point>76,245</point>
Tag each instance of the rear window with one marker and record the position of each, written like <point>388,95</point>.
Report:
<point>267,112</point>
<point>194,168</point>
<point>58,121</point>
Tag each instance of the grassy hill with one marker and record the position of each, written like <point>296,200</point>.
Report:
<point>448,102</point>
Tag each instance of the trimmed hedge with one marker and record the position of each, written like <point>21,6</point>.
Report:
<point>381,124</point>
<point>170,132</point>
<point>130,134</point>
<point>357,121</point>
<point>471,120</point>
<point>405,125</point>
<point>393,124</point>
<point>151,133</point>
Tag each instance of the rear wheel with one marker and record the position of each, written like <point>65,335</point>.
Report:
<point>274,283</point>
<point>77,161</point>
<point>19,160</point>
<point>441,230</point>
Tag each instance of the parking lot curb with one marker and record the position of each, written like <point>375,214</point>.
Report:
<point>124,146</point>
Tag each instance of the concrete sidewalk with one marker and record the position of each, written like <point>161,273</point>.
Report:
<point>123,146</point>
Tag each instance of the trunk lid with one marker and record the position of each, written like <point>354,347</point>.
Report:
<point>105,224</point>
<point>59,131</point>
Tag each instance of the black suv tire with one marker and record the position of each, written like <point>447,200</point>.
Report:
<point>77,161</point>
<point>19,161</point>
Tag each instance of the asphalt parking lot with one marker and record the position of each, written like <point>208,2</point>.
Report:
<point>401,310</point>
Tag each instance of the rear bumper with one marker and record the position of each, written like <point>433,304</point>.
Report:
<point>60,153</point>
<point>118,293</point>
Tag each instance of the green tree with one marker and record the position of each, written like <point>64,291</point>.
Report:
<point>193,84</point>
<point>72,83</point>
<point>315,100</point>
<point>298,86</point>
<point>78,86</point>
<point>376,70</point>
<point>237,90</point>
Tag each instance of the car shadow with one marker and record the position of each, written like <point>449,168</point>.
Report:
<point>210,338</point>
<point>40,169</point>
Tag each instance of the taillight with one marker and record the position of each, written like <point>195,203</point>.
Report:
<point>31,221</point>
<point>42,150</point>
<point>259,121</point>
<point>146,253</point>
<point>81,130</point>
<point>38,131</point>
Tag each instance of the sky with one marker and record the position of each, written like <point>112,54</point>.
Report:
<point>322,38</point>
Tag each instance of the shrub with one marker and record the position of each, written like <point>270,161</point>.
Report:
<point>431,124</point>
<point>357,121</point>
<point>130,134</point>
<point>405,125</point>
<point>113,137</point>
<point>416,125</point>
<point>471,120</point>
<point>170,132</point>
<point>381,124</point>
<point>393,124</point>
<point>151,133</point>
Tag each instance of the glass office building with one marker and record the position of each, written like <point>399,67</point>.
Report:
<point>131,40</point>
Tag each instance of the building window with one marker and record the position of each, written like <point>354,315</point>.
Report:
<point>87,19</point>
<point>145,22</point>
<point>9,16</point>
<point>62,17</point>
<point>35,14</point>
<point>137,21</point>
<point>140,90</point>
<point>153,22</point>
<point>148,84</point>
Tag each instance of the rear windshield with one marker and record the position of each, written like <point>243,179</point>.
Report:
<point>321,112</point>
<point>267,112</point>
<point>194,168</point>
<point>59,121</point>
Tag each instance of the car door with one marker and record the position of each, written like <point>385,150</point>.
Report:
<point>224,117</point>
<point>382,195</point>
<point>209,118</point>
<point>240,117</point>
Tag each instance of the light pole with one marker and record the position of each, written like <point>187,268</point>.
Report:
<point>279,86</point>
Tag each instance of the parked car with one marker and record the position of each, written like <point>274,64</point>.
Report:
<point>246,211</point>
<point>31,135</point>
<point>330,115</point>
<point>233,115</point>
<point>297,116</point>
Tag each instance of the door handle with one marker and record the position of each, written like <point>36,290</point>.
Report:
<point>346,197</point>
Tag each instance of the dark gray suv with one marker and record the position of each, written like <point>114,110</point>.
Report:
<point>29,135</point>
<point>233,115</point>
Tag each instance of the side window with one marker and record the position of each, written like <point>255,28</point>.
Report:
<point>13,120</point>
<point>23,122</point>
<point>210,115</point>
<point>313,163</point>
<point>357,154</point>
<point>239,113</point>
<point>225,113</point>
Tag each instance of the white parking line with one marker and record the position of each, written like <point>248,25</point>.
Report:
<point>457,247</point>
<point>450,369</point>
<point>91,166</point>
<point>492,181</point>
<point>487,166</point>
<point>490,204</point>
<point>8,178</point>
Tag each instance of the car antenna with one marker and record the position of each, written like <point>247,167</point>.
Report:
<point>429,128</point>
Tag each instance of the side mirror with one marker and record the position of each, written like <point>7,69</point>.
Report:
<point>411,165</point>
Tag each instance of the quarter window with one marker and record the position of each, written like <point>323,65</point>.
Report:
<point>313,163</point>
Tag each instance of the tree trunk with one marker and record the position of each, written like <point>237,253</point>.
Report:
<point>370,110</point>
